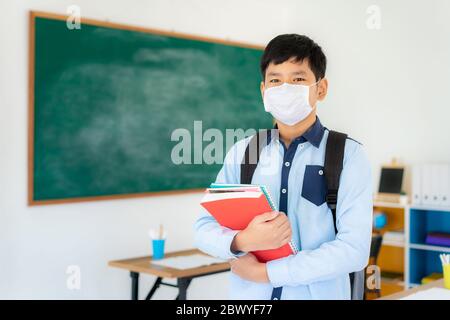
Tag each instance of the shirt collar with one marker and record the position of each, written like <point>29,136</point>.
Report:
<point>314,134</point>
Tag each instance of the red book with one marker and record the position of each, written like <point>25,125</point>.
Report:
<point>235,210</point>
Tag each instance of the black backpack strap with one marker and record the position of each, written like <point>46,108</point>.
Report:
<point>250,161</point>
<point>334,158</point>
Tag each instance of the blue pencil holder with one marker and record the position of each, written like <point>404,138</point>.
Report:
<point>158,248</point>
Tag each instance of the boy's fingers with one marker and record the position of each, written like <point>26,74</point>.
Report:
<point>280,220</point>
<point>286,239</point>
<point>268,216</point>
<point>285,224</point>
<point>286,234</point>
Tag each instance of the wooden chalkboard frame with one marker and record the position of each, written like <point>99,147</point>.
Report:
<point>31,67</point>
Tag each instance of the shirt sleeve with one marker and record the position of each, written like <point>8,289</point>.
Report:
<point>349,252</point>
<point>210,236</point>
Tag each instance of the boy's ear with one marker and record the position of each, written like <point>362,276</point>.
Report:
<point>261,87</point>
<point>322,89</point>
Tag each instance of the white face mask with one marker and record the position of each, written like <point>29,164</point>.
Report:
<point>288,103</point>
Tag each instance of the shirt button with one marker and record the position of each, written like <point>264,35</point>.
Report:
<point>283,190</point>
<point>287,164</point>
<point>321,172</point>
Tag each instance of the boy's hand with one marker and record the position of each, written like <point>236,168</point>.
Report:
<point>249,268</point>
<point>269,230</point>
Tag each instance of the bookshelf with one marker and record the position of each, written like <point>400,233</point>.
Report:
<point>405,264</point>
<point>422,259</point>
<point>391,259</point>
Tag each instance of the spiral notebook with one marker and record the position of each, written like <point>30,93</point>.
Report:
<point>235,205</point>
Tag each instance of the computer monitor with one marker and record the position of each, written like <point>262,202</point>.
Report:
<point>391,180</point>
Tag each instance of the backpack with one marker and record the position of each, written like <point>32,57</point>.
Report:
<point>334,156</point>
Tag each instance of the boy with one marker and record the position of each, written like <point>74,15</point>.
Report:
<point>293,81</point>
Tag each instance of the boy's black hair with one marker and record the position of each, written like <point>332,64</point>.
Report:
<point>286,46</point>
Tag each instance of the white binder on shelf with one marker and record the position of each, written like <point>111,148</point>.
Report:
<point>435,184</point>
<point>427,185</point>
<point>445,186</point>
<point>417,184</point>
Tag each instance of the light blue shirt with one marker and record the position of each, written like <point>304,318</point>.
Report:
<point>320,270</point>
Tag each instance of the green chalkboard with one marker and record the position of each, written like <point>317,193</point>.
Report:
<point>107,99</point>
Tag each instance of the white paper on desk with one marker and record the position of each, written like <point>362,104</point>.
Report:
<point>187,262</point>
<point>430,294</point>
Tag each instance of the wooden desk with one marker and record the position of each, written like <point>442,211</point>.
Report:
<point>402,294</point>
<point>184,277</point>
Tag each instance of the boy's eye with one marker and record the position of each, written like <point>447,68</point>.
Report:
<point>274,80</point>
<point>299,79</point>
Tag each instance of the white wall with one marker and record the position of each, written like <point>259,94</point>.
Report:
<point>388,89</point>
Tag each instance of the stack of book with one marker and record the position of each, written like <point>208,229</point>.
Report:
<point>394,238</point>
<point>438,239</point>
<point>235,205</point>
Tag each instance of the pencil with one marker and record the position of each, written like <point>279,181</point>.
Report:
<point>161,231</point>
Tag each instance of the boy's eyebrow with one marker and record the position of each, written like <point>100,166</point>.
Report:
<point>301,72</point>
